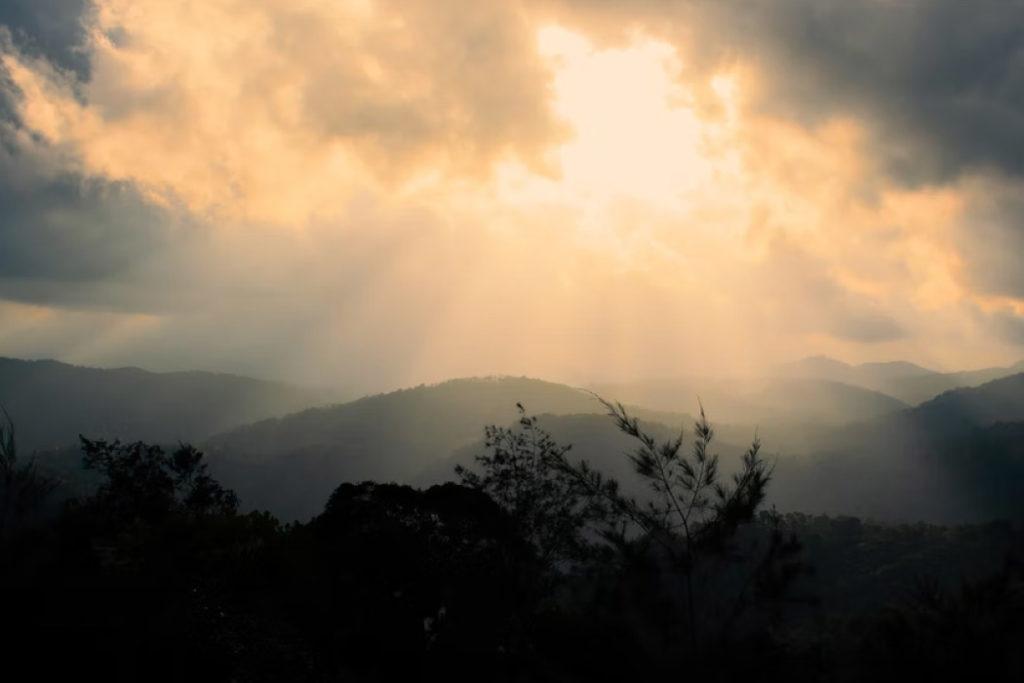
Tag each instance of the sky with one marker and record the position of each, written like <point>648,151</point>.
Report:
<point>370,194</point>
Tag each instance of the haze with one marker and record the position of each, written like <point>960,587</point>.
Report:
<point>375,194</point>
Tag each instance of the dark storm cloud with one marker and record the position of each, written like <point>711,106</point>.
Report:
<point>56,229</point>
<point>243,139</point>
<point>71,241</point>
<point>944,78</point>
<point>942,81</point>
<point>67,239</point>
<point>937,84</point>
<point>64,228</point>
<point>51,29</point>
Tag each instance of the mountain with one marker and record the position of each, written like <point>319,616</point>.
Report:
<point>819,367</point>
<point>592,437</point>
<point>51,403</point>
<point>822,401</point>
<point>905,381</point>
<point>823,367</point>
<point>956,458</point>
<point>789,400</point>
<point>840,448</point>
<point>597,440</point>
<point>919,388</point>
<point>1000,400</point>
<point>891,371</point>
<point>291,464</point>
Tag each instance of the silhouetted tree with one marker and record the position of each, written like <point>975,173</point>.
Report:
<point>537,567</point>
<point>412,580</point>
<point>692,516</point>
<point>692,512</point>
<point>142,480</point>
<point>22,487</point>
<point>163,571</point>
<point>524,473</point>
<point>940,634</point>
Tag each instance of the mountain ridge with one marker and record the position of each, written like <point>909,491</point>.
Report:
<point>908,382</point>
<point>52,402</point>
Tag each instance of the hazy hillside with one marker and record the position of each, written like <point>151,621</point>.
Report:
<point>594,438</point>
<point>291,464</point>
<point>906,381</point>
<point>1001,400</point>
<point>52,403</point>
<point>865,374</point>
<point>955,458</point>
<point>758,401</point>
<point>840,449</point>
<point>897,464</point>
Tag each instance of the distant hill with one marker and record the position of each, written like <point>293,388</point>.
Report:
<point>908,382</point>
<point>840,448</point>
<point>51,403</point>
<point>823,367</point>
<point>1000,400</point>
<point>291,464</point>
<point>598,440</point>
<point>593,437</point>
<point>787,400</point>
<point>956,458</point>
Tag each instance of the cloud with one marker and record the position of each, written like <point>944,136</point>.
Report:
<point>56,225</point>
<point>382,193</point>
<point>990,237</point>
<point>273,111</point>
<point>75,241</point>
<point>50,29</point>
<point>808,299</point>
<point>1008,324</point>
<point>941,82</point>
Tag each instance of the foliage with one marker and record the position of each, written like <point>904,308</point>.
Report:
<point>421,576</point>
<point>525,474</point>
<point>142,480</point>
<point>538,567</point>
<point>692,511</point>
<point>691,517</point>
<point>22,487</point>
<point>940,633</point>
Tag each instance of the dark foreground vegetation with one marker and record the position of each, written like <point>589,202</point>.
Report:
<point>534,567</point>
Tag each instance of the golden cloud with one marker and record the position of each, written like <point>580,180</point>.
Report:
<point>275,111</point>
<point>451,226</point>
